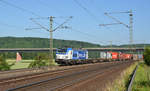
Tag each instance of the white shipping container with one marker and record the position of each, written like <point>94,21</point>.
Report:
<point>109,56</point>
<point>103,55</point>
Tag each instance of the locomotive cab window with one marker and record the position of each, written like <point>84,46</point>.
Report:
<point>61,50</point>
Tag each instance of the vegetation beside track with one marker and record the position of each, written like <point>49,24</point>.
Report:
<point>142,78</point>
<point>20,64</point>
<point>41,60</point>
<point>147,56</point>
<point>3,64</point>
<point>121,83</point>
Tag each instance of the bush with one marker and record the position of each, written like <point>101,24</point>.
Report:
<point>40,60</point>
<point>3,64</point>
<point>147,56</point>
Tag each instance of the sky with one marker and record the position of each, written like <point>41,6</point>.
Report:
<point>15,18</point>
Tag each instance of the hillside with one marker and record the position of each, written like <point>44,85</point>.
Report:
<point>137,45</point>
<point>29,42</point>
<point>127,46</point>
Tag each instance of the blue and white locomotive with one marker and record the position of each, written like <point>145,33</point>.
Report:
<point>71,54</point>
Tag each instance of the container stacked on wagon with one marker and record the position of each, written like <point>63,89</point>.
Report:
<point>119,56</point>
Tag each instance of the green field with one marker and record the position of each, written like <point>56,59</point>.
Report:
<point>142,78</point>
<point>20,64</point>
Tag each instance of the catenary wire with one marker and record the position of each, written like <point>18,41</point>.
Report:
<point>18,7</point>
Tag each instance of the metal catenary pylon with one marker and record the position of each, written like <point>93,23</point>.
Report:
<point>130,26</point>
<point>50,30</point>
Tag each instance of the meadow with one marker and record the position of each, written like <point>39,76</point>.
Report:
<point>19,64</point>
<point>142,78</point>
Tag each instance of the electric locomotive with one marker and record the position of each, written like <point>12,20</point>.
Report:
<point>70,55</point>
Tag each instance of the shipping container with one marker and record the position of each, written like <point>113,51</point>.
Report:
<point>114,55</point>
<point>140,56</point>
<point>135,57</point>
<point>121,56</point>
<point>109,55</point>
<point>103,55</point>
<point>128,56</point>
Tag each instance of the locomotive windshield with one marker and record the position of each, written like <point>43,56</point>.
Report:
<point>61,50</point>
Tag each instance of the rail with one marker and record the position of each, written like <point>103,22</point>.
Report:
<point>132,79</point>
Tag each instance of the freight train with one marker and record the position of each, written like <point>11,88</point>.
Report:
<point>69,56</point>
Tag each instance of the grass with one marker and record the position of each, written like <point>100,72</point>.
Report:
<point>23,63</point>
<point>20,64</point>
<point>142,78</point>
<point>121,83</point>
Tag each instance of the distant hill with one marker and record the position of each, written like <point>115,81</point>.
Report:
<point>134,45</point>
<point>137,45</point>
<point>30,42</point>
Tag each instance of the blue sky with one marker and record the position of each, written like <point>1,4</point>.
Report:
<point>15,15</point>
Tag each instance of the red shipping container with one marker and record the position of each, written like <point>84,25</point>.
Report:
<point>121,56</point>
<point>114,55</point>
<point>128,56</point>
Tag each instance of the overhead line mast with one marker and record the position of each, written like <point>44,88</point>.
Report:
<point>51,39</point>
<point>130,26</point>
<point>50,30</point>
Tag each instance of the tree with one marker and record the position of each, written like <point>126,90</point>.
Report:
<point>40,60</point>
<point>3,64</point>
<point>147,56</point>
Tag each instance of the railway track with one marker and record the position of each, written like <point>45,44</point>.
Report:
<point>16,73</point>
<point>14,81</point>
<point>60,79</point>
